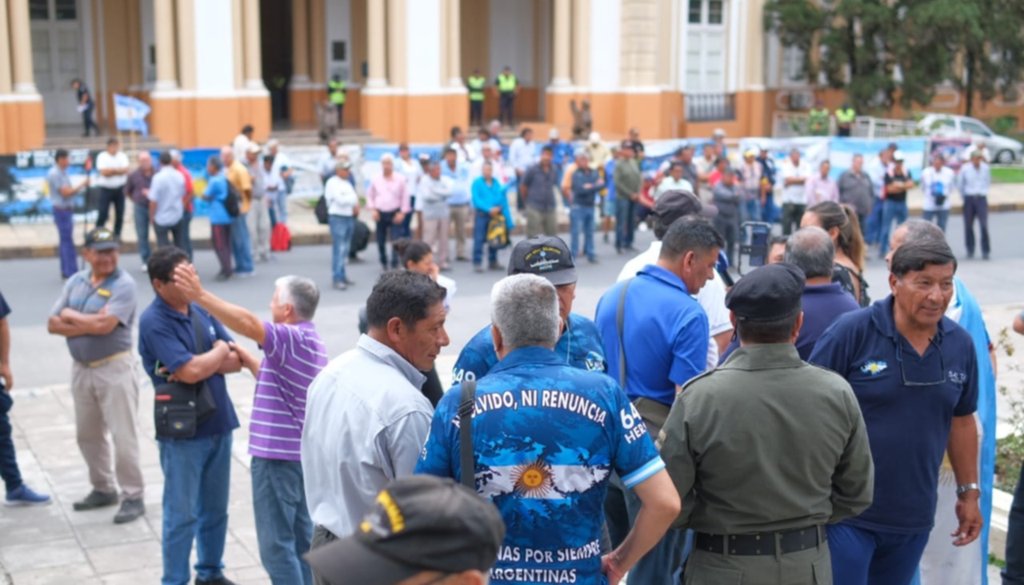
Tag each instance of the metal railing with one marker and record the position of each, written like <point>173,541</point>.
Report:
<point>788,124</point>
<point>710,107</point>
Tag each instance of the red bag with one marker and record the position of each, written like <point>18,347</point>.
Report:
<point>280,238</point>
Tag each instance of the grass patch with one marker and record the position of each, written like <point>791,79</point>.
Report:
<point>1008,174</point>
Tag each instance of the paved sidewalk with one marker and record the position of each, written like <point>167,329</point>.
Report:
<point>39,239</point>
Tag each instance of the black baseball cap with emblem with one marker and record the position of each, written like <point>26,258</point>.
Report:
<point>101,239</point>
<point>418,523</point>
<point>546,256</point>
<point>768,293</point>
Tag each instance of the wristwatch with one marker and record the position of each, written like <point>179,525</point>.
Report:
<point>964,488</point>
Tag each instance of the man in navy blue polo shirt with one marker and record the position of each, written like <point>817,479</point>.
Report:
<point>664,335</point>
<point>579,343</point>
<point>915,374</point>
<point>196,470</point>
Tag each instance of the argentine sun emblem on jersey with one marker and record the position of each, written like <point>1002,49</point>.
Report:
<point>874,367</point>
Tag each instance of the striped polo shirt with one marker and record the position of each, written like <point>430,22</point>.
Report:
<point>293,354</point>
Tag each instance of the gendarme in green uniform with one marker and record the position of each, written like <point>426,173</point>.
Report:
<point>336,91</point>
<point>476,84</point>
<point>765,451</point>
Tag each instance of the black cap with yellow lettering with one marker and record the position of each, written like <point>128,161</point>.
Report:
<point>419,523</point>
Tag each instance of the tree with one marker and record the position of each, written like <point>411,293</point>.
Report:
<point>876,49</point>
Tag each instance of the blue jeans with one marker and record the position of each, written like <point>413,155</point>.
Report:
<point>186,232</point>
<point>480,240</point>
<point>750,210</point>
<point>142,231</point>
<point>1013,574</point>
<point>623,223</point>
<point>863,557</point>
<point>874,221</point>
<point>283,527</point>
<point>341,239</point>
<point>197,475</point>
<point>581,218</point>
<point>940,217</point>
<point>241,245</point>
<point>8,461</point>
<point>891,211</point>
<point>65,220</point>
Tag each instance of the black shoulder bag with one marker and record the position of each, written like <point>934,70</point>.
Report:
<point>179,408</point>
<point>467,460</point>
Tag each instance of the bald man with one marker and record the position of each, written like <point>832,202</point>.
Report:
<point>137,189</point>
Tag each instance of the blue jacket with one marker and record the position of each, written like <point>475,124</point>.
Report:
<point>216,193</point>
<point>486,197</point>
<point>584,196</point>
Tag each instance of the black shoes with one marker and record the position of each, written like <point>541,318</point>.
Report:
<point>130,510</point>
<point>95,500</point>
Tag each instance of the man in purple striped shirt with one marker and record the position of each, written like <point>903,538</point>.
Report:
<point>293,354</point>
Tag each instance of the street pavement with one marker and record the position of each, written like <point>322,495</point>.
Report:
<point>56,545</point>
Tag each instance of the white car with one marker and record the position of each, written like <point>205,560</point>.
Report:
<point>1003,150</point>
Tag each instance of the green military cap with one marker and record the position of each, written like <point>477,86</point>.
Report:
<point>769,293</point>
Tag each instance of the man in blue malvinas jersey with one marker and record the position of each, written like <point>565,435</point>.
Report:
<point>546,436</point>
<point>579,342</point>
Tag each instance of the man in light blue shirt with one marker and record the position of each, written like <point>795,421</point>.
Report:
<point>458,201</point>
<point>166,203</point>
<point>974,182</point>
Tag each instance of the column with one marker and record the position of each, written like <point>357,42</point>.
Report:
<point>453,60</point>
<point>581,43</point>
<point>562,44</point>
<point>253,63</point>
<point>21,47</point>
<point>300,46</point>
<point>397,31</point>
<point>376,37</point>
<point>317,42</point>
<point>166,66</point>
<point>5,51</point>
<point>186,43</point>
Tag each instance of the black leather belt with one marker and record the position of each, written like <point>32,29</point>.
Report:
<point>763,543</point>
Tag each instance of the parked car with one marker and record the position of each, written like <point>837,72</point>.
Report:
<point>1002,149</point>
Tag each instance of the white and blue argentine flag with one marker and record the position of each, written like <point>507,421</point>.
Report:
<point>131,114</point>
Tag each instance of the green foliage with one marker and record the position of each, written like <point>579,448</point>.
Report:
<point>1003,124</point>
<point>1009,449</point>
<point>925,39</point>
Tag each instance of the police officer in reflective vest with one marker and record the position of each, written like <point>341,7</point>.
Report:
<point>844,119</point>
<point>508,87</point>
<point>336,94</point>
<point>476,83</point>
<point>817,120</point>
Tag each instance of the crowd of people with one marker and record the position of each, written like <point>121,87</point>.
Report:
<point>771,431</point>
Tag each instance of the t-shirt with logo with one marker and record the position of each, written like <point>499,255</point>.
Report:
<point>546,438</point>
<point>908,401</point>
<point>579,346</point>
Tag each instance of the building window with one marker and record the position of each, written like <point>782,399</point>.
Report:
<point>39,9</point>
<point>696,8</point>
<point>792,65</point>
<point>66,10</point>
<point>706,12</point>
<point>715,10</point>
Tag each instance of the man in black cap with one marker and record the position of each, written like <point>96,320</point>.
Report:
<point>423,529</point>
<point>579,343</point>
<point>767,449</point>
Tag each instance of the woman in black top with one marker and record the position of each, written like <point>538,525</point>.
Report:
<point>840,221</point>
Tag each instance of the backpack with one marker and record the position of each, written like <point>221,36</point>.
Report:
<point>360,238</point>
<point>280,238</point>
<point>321,210</point>
<point>232,202</point>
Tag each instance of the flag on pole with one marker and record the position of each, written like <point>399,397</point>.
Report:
<point>131,114</point>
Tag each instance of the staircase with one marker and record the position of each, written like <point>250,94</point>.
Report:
<point>71,138</point>
<point>310,136</point>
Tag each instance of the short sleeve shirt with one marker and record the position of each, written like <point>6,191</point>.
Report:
<point>908,425</point>
<point>57,179</point>
<point>891,178</point>
<point>167,340</point>
<point>579,346</point>
<point>105,160</point>
<point>546,438</point>
<point>116,295</point>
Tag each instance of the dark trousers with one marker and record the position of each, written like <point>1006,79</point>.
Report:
<point>624,223</point>
<point>88,122</point>
<point>976,206</point>
<point>321,536</point>
<point>840,131</point>
<point>480,240</point>
<point>1013,574</point>
<point>186,233</point>
<point>385,228</point>
<point>142,230</point>
<point>110,197</point>
<point>340,109</point>
<point>164,234</point>
<point>729,227</point>
<point>220,235</point>
<point>507,103</point>
<point>476,113</point>
<point>65,220</point>
<point>792,213</point>
<point>8,462</point>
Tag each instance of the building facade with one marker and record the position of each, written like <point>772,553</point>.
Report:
<point>207,67</point>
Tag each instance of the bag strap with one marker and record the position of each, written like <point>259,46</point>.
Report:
<point>620,319</point>
<point>467,460</point>
<point>197,330</point>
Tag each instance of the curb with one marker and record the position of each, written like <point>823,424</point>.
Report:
<point>203,243</point>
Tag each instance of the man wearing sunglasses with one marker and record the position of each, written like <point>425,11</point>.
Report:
<point>915,374</point>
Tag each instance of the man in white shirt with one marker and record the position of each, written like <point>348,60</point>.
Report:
<point>937,186</point>
<point>166,203</point>
<point>522,154</point>
<point>366,419</point>
<point>432,207</point>
<point>240,146</point>
<point>112,166</point>
<point>670,207</point>
<point>329,160</point>
<point>673,181</point>
<point>795,173</point>
<point>342,209</point>
<point>281,174</point>
<point>501,172</point>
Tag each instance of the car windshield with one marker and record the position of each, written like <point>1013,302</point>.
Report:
<point>972,127</point>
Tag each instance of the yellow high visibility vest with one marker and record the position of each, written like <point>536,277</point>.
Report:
<point>845,116</point>
<point>476,87</point>
<point>507,83</point>
<point>337,92</point>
